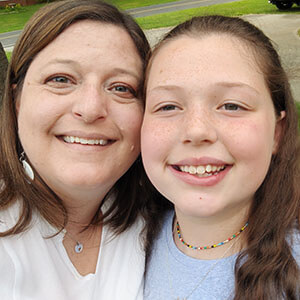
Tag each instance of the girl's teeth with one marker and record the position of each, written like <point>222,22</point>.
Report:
<point>192,170</point>
<point>208,169</point>
<point>204,171</point>
<point>200,170</point>
<point>75,139</point>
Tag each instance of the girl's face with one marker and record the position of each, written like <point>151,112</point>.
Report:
<point>78,115</point>
<point>210,128</point>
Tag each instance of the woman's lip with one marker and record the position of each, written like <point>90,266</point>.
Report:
<point>83,146</point>
<point>88,136</point>
<point>200,181</point>
<point>205,160</point>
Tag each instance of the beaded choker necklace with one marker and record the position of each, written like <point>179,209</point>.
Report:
<point>207,247</point>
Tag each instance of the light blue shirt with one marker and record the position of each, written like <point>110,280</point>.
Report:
<point>174,275</point>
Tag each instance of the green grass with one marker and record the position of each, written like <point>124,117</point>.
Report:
<point>16,20</point>
<point>8,55</point>
<point>136,3</point>
<point>239,8</point>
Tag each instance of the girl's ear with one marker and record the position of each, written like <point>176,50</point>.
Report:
<point>280,123</point>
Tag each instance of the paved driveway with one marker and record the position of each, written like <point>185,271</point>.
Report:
<point>282,29</point>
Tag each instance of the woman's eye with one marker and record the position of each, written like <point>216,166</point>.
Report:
<point>58,80</point>
<point>168,107</point>
<point>124,91</point>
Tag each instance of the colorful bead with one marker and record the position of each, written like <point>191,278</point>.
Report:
<point>208,247</point>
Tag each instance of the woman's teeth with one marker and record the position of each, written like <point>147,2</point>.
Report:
<point>78,140</point>
<point>202,171</point>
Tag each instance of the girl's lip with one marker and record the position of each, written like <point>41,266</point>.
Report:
<point>197,180</point>
<point>205,160</point>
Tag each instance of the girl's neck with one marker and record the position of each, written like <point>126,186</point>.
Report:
<point>209,231</point>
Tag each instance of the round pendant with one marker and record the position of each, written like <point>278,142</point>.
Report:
<point>78,247</point>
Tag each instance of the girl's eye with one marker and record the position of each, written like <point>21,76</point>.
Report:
<point>231,107</point>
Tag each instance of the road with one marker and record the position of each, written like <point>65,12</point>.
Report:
<point>8,39</point>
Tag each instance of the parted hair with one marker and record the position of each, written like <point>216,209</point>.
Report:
<point>266,269</point>
<point>44,26</point>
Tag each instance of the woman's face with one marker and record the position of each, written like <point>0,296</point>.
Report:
<point>78,115</point>
<point>209,129</point>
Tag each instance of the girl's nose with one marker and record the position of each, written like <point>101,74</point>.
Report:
<point>199,127</point>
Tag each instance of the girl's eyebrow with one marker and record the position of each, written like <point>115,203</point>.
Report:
<point>231,84</point>
<point>226,84</point>
<point>162,87</point>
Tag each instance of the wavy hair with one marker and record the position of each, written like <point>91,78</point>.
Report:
<point>266,269</point>
<point>45,25</point>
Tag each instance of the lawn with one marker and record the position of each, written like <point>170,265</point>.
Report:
<point>239,8</point>
<point>8,55</point>
<point>15,20</point>
<point>136,3</point>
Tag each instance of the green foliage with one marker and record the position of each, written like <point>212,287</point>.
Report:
<point>238,8</point>
<point>13,8</point>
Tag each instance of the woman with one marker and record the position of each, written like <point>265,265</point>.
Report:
<point>70,124</point>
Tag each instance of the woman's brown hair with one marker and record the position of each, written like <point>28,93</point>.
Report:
<point>49,22</point>
<point>266,269</point>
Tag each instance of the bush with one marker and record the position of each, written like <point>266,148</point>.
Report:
<point>16,8</point>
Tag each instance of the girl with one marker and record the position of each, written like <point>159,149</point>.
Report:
<point>220,142</point>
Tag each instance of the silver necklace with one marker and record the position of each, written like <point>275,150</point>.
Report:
<point>202,279</point>
<point>78,248</point>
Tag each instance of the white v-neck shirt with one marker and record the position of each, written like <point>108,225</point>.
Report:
<point>35,268</point>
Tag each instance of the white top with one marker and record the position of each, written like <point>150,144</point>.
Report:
<point>35,268</point>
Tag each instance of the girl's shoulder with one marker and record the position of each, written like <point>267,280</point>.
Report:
<point>294,240</point>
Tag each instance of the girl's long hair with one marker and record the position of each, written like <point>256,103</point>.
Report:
<point>266,269</point>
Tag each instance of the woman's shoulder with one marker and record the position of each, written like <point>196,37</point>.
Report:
<point>9,216</point>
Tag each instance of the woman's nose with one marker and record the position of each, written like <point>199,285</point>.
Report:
<point>91,104</point>
<point>199,127</point>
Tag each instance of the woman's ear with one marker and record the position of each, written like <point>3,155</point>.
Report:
<point>280,123</point>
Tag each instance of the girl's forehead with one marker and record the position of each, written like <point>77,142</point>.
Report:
<point>215,55</point>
